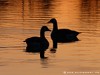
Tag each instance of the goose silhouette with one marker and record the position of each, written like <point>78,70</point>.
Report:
<point>38,44</point>
<point>62,35</point>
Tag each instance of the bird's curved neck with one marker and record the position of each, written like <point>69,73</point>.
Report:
<point>55,27</point>
<point>42,34</point>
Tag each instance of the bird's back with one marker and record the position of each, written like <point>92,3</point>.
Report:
<point>32,39</point>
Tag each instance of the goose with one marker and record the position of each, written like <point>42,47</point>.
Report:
<point>62,35</point>
<point>38,44</point>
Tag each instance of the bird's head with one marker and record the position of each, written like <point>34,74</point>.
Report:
<point>53,20</point>
<point>45,28</point>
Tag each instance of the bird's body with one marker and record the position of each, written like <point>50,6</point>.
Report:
<point>38,44</point>
<point>62,35</point>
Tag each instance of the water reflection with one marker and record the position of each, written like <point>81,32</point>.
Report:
<point>20,19</point>
<point>41,7</point>
<point>53,50</point>
<point>3,8</point>
<point>44,63</point>
<point>90,11</point>
<point>3,3</point>
<point>23,9</point>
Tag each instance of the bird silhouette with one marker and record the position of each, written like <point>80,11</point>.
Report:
<point>62,35</point>
<point>38,44</point>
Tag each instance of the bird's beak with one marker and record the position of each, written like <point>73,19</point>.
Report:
<point>48,22</point>
<point>49,30</point>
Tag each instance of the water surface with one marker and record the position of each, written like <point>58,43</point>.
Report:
<point>20,19</point>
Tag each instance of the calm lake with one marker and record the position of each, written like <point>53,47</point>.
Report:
<point>21,19</point>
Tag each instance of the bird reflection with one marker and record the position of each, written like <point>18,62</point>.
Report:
<point>38,44</point>
<point>54,50</point>
<point>44,63</point>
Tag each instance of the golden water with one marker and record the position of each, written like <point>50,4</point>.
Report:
<point>20,19</point>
